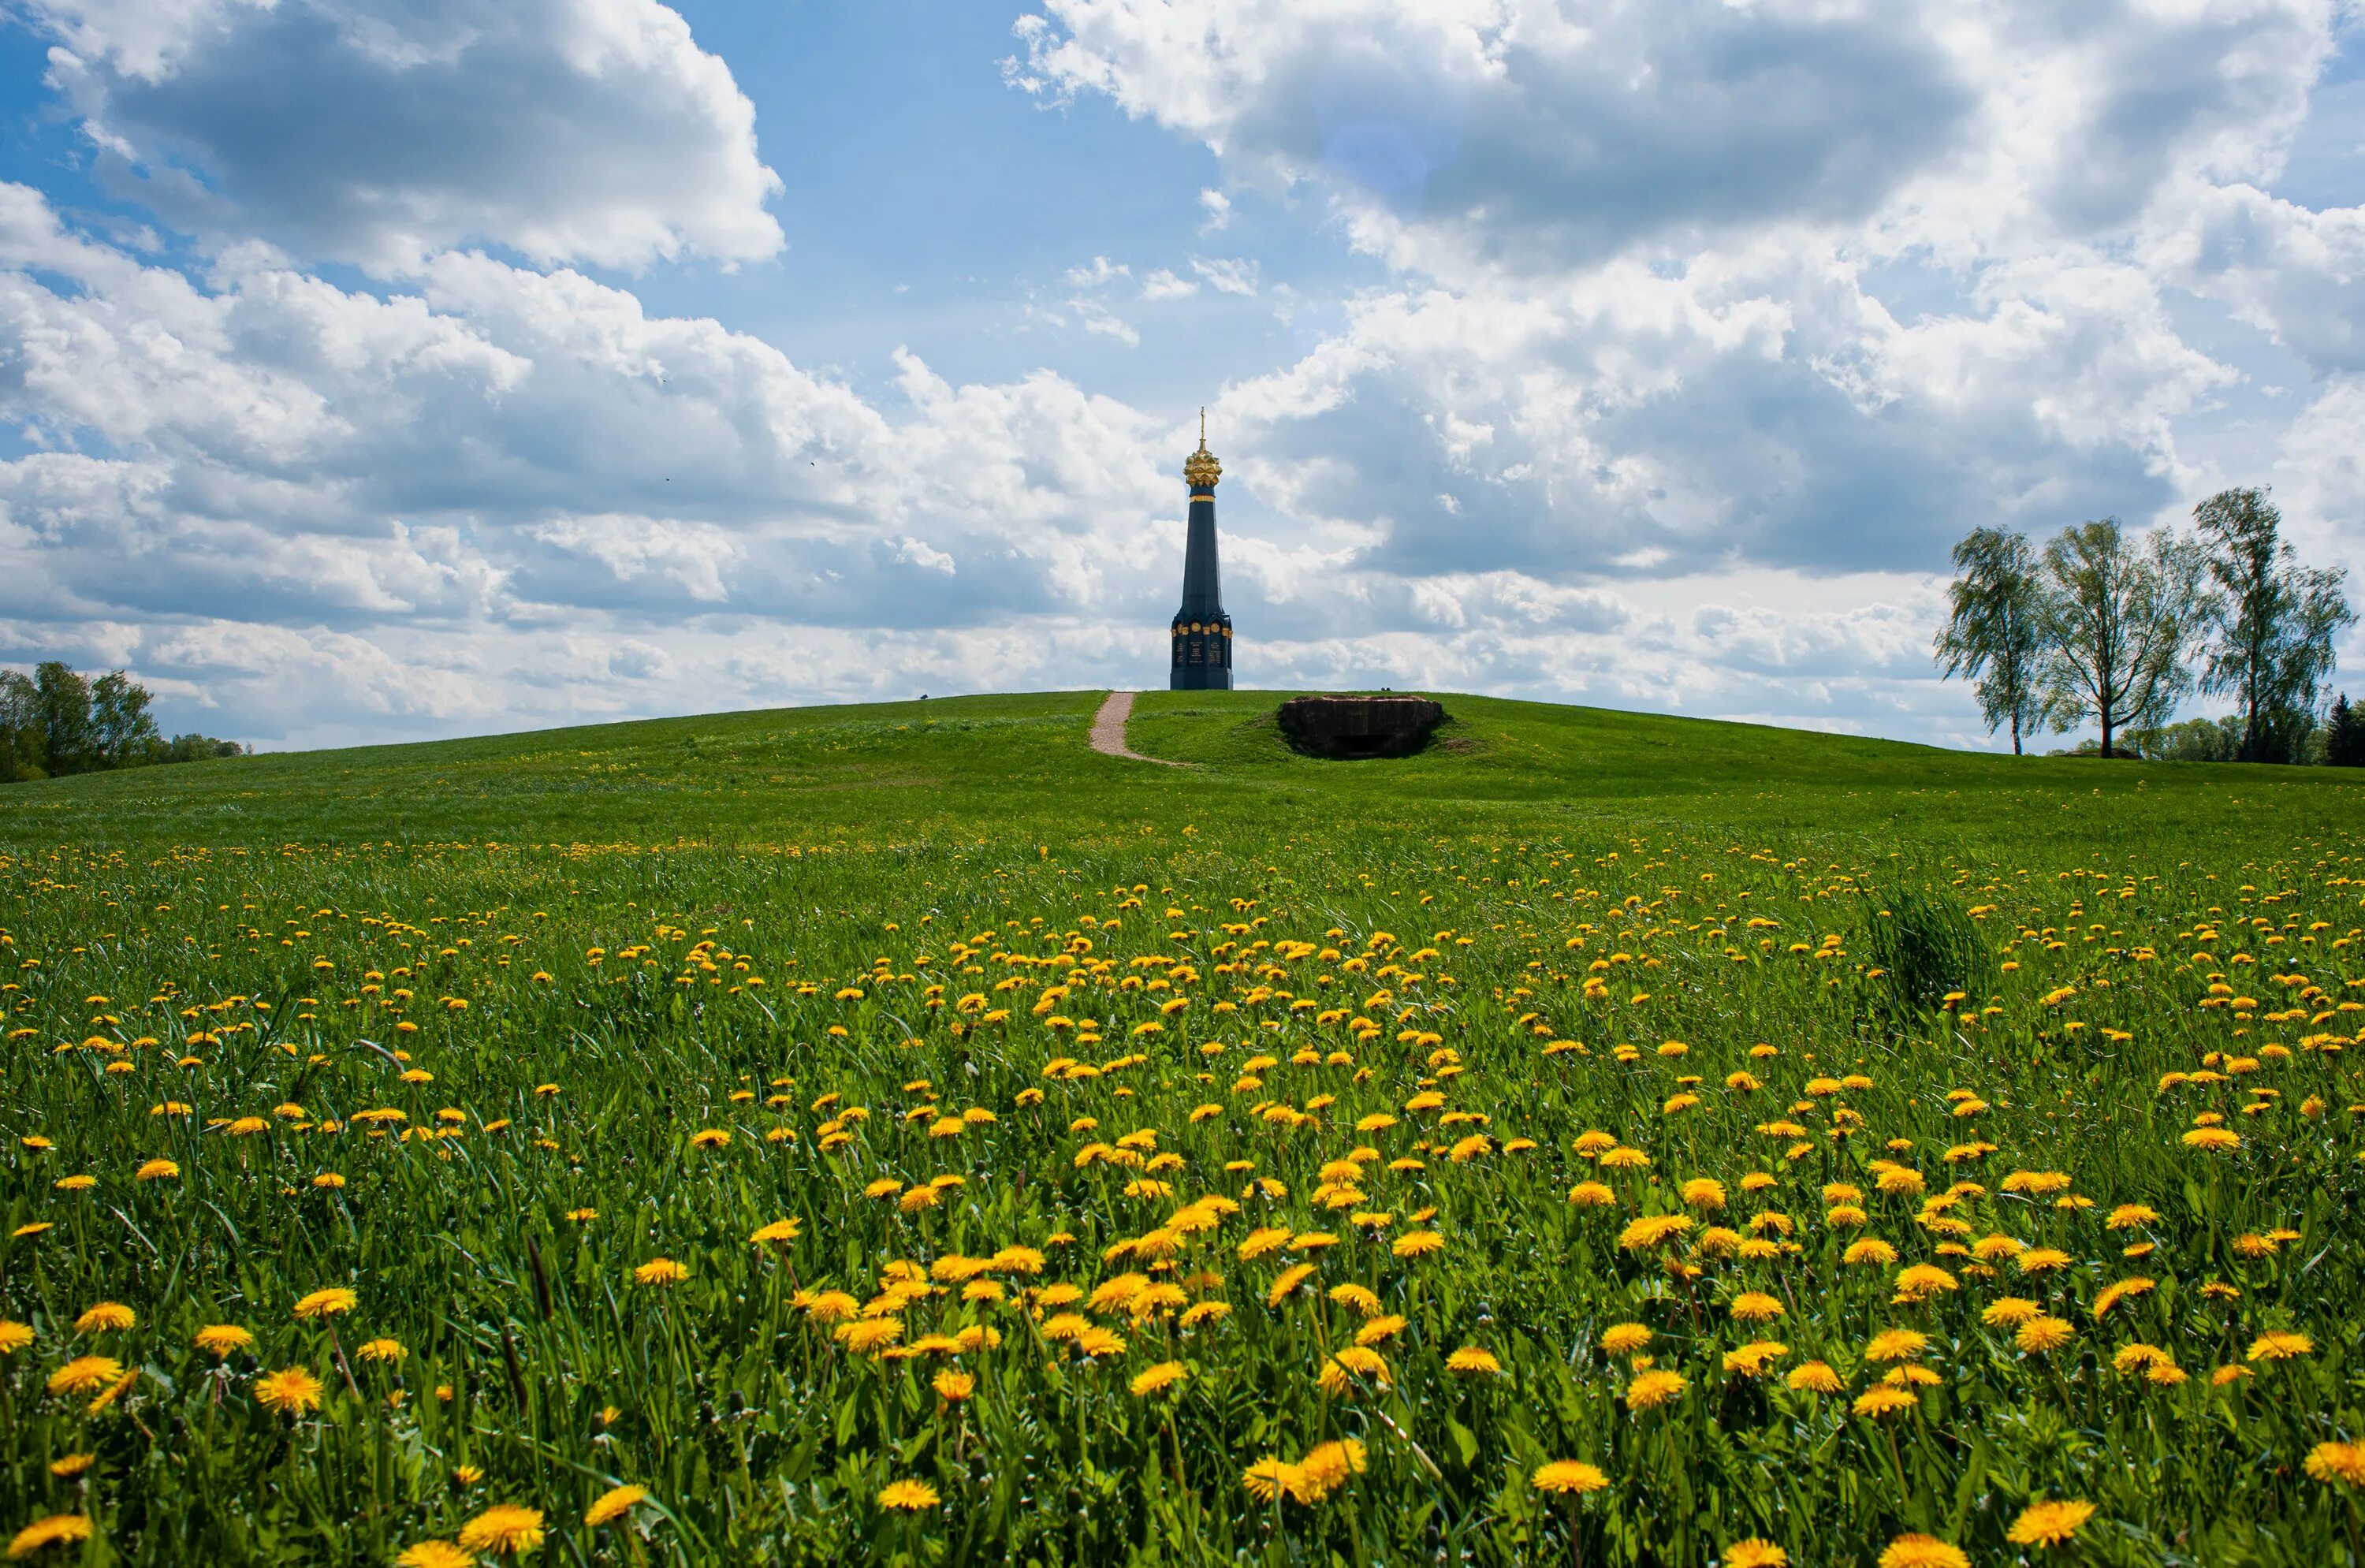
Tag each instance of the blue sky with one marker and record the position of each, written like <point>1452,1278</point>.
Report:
<point>377,371</point>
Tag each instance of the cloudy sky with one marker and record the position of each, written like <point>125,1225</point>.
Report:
<point>378,369</point>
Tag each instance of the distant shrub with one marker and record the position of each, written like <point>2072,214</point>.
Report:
<point>2344,735</point>
<point>2195,740</point>
<point>1923,943</point>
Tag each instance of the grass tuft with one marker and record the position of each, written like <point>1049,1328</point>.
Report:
<point>1925,948</point>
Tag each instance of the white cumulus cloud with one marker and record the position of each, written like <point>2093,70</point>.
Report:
<point>1228,275</point>
<point>567,130</point>
<point>1164,285</point>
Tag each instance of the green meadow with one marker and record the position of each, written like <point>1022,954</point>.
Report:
<point>900,1133</point>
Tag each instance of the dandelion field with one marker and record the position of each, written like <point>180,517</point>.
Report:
<point>899,1134</point>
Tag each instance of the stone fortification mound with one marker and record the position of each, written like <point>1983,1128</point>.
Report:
<point>1352,727</point>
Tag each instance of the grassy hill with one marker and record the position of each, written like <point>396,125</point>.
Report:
<point>900,1134</point>
<point>900,771</point>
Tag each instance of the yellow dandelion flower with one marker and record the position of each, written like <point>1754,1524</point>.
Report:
<point>291,1389</point>
<point>2010,1312</point>
<point>1920,1282</point>
<point>1099,1344</point>
<point>2043,1335</point>
<point>1653,1231</point>
<point>1271,1479</point>
<point>1624,1339</point>
<point>434,1554</point>
<point>1703,1193</point>
<point>1815,1377</point>
<point>1152,1379</point>
<point>2341,1463</point>
<point>329,1303</point>
<point>826,1306</point>
<point>908,1496</point>
<point>869,1334</point>
<point>613,1505</point>
<point>1352,1364</point>
<point>107,1317</point>
<point>505,1528</point>
<point>1897,1345</point>
<point>1326,1467</point>
<point>58,1529</point>
<point>2048,1524</point>
<point>1568,1476</point>
<point>1261,1241</point>
<point>1652,1389</point>
<point>1755,1359</point>
<point>1922,1552</point>
<point>1286,1282</point>
<point>1883,1399</point>
<point>86,1373</point>
<point>116,1390</point>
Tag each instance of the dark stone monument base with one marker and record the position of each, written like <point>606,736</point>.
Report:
<point>1359,726</point>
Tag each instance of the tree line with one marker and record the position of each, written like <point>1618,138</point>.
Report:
<point>55,722</point>
<point>2105,626</point>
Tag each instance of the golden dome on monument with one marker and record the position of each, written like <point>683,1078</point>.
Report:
<point>1200,469</point>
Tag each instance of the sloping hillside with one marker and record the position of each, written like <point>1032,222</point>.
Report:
<point>895,770</point>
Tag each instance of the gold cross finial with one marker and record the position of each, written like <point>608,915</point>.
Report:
<point>1203,427</point>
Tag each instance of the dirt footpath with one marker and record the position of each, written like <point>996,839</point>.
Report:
<point>1108,730</point>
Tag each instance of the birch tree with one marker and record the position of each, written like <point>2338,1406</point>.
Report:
<point>1995,634</point>
<point>2271,622</point>
<point>2120,615</point>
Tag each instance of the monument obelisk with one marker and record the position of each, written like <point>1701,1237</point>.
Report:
<point>1203,633</point>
